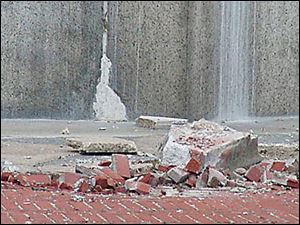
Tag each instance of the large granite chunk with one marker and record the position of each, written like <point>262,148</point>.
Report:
<point>102,145</point>
<point>223,147</point>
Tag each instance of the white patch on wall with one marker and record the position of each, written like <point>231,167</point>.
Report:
<point>108,105</point>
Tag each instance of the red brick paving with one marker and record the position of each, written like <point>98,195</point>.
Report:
<point>23,205</point>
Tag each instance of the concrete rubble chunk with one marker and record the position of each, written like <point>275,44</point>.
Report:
<point>158,122</point>
<point>140,169</point>
<point>84,170</point>
<point>216,178</point>
<point>203,179</point>
<point>222,148</point>
<point>177,174</point>
<point>102,145</point>
<point>7,166</point>
<point>240,171</point>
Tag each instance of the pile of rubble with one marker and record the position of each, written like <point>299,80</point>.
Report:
<point>122,176</point>
<point>194,156</point>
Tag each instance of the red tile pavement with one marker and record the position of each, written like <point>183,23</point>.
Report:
<point>23,205</point>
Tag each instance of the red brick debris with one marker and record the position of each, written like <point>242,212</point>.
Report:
<point>118,177</point>
<point>22,205</point>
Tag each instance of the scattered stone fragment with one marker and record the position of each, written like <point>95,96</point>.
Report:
<point>65,131</point>
<point>7,166</point>
<point>216,178</point>
<point>102,145</point>
<point>140,169</point>
<point>238,190</point>
<point>158,122</point>
<point>84,170</point>
<point>177,174</point>
<point>240,171</point>
<point>203,179</point>
<point>130,184</point>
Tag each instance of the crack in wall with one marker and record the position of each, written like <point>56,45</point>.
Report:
<point>108,105</point>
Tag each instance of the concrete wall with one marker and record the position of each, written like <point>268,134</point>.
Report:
<point>49,58</point>
<point>164,54</point>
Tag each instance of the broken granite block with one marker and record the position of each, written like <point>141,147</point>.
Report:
<point>158,122</point>
<point>216,178</point>
<point>102,145</point>
<point>223,147</point>
<point>177,174</point>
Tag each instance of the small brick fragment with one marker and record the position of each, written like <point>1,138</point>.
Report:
<point>146,179</point>
<point>68,180</point>
<point>293,183</point>
<point>193,166</point>
<point>112,183</point>
<point>110,173</point>
<point>84,187</point>
<point>163,168</point>
<point>191,181</point>
<point>120,189</point>
<point>278,166</point>
<point>39,180</point>
<point>22,180</point>
<point>120,165</point>
<point>198,155</point>
<point>231,183</point>
<point>254,173</point>
<point>5,176</point>
<point>101,181</point>
<point>104,163</point>
<point>143,188</point>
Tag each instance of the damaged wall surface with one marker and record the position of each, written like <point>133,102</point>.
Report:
<point>164,58</point>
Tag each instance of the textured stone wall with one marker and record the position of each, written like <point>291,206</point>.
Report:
<point>50,55</point>
<point>148,51</point>
<point>164,55</point>
<point>277,58</point>
<point>203,59</point>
